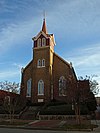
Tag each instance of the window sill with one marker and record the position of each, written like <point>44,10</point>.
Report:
<point>28,96</point>
<point>40,66</point>
<point>40,94</point>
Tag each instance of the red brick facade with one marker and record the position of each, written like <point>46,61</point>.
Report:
<point>47,76</point>
<point>4,94</point>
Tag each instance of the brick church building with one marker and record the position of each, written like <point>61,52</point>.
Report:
<point>48,76</point>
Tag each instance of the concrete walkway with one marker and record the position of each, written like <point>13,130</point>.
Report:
<point>46,124</point>
<point>97,122</point>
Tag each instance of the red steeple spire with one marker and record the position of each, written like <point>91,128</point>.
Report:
<point>44,29</point>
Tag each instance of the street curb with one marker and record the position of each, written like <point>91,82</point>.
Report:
<point>43,128</point>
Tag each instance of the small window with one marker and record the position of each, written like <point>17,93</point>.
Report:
<point>40,87</point>
<point>39,42</point>
<point>39,63</point>
<point>43,63</point>
<point>43,42</point>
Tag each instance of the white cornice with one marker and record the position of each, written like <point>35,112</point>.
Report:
<point>38,35</point>
<point>43,47</point>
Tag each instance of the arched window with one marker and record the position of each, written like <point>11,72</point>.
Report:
<point>39,42</point>
<point>29,82</point>
<point>43,62</point>
<point>39,63</point>
<point>62,86</point>
<point>43,42</point>
<point>40,87</point>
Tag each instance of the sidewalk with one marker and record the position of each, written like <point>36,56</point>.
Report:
<point>50,125</point>
<point>98,123</point>
<point>39,125</point>
<point>46,124</point>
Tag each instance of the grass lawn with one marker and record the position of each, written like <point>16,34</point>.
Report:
<point>15,122</point>
<point>79,126</point>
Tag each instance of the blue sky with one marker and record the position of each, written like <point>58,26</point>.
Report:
<point>75,24</point>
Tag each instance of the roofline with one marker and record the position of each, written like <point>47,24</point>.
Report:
<point>70,65</point>
<point>28,65</point>
<point>37,36</point>
<point>62,59</point>
<point>74,73</point>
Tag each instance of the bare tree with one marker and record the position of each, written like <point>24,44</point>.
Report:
<point>11,99</point>
<point>94,85</point>
<point>9,86</point>
<point>11,104</point>
<point>80,94</point>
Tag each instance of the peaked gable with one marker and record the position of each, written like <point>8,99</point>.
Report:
<point>39,34</point>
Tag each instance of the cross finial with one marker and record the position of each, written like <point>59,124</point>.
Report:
<point>44,14</point>
<point>44,29</point>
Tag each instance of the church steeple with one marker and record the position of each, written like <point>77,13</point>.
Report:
<point>44,39</point>
<point>44,29</point>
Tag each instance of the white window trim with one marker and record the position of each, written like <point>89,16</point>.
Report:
<point>42,83</point>
<point>39,63</point>
<point>39,42</point>
<point>43,41</point>
<point>43,62</point>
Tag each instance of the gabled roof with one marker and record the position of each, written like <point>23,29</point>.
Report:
<point>68,64</point>
<point>30,63</point>
<point>44,33</point>
<point>38,35</point>
<point>62,60</point>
